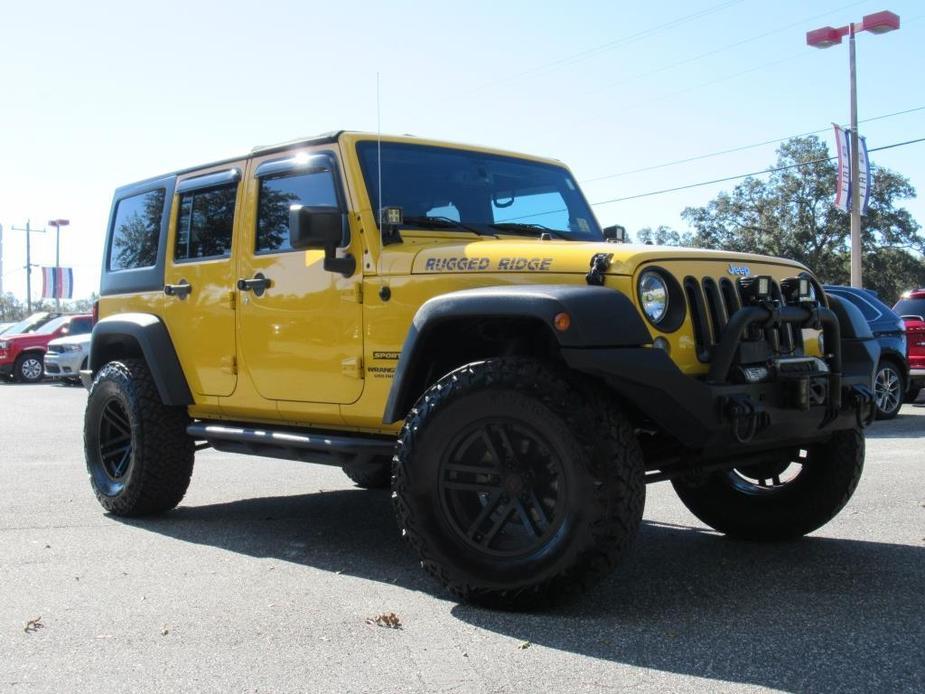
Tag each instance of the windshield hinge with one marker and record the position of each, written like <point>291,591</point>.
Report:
<point>600,263</point>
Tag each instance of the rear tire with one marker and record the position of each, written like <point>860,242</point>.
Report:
<point>375,474</point>
<point>753,503</point>
<point>138,453</point>
<point>516,483</point>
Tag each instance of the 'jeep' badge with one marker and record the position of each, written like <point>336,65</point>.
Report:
<point>740,270</point>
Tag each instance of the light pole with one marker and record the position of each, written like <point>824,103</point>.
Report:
<point>57,224</point>
<point>877,23</point>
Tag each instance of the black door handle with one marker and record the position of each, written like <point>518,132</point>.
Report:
<point>180,290</point>
<point>259,284</point>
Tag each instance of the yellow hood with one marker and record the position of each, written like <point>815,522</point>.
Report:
<point>563,257</point>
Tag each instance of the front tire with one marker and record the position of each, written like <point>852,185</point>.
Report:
<point>29,368</point>
<point>779,500</point>
<point>138,453</point>
<point>888,390</point>
<point>515,483</point>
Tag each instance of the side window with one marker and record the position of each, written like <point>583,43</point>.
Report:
<point>277,194</point>
<point>869,312</point>
<point>204,223</point>
<point>80,326</point>
<point>136,231</point>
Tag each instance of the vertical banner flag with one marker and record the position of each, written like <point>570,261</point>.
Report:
<point>863,174</point>
<point>58,282</point>
<point>843,182</point>
<point>843,176</point>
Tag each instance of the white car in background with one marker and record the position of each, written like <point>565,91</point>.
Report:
<point>66,356</point>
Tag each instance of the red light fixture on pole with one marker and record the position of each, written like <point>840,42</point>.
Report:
<point>825,37</point>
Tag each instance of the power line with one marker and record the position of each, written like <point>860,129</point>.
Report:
<point>741,148</point>
<point>746,175</point>
<point>727,47</point>
<point>576,57</point>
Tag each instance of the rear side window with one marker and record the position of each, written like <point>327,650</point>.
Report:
<point>277,194</point>
<point>205,222</point>
<point>80,326</point>
<point>136,231</point>
<point>868,309</point>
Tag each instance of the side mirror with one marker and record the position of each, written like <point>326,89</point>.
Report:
<point>321,228</point>
<point>615,234</point>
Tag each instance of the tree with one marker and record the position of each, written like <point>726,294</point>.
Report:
<point>664,236</point>
<point>791,215</point>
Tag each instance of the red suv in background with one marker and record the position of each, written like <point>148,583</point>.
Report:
<point>911,308</point>
<point>22,352</point>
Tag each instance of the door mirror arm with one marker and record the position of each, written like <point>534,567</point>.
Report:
<point>321,228</point>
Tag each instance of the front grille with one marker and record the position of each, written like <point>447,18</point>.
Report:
<point>52,368</point>
<point>713,302</point>
<point>56,348</point>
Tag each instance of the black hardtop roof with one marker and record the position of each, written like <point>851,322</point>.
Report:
<point>323,138</point>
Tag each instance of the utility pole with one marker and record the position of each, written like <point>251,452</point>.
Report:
<point>28,229</point>
<point>857,277</point>
<point>1,260</point>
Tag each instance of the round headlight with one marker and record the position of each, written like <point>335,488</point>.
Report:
<point>653,294</point>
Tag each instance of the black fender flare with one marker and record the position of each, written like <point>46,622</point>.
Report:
<point>121,333</point>
<point>600,317</point>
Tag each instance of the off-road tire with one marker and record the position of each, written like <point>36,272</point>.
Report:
<point>600,457</point>
<point>820,490</point>
<point>159,462</point>
<point>888,367</point>
<point>912,394</point>
<point>377,474</point>
<point>19,373</point>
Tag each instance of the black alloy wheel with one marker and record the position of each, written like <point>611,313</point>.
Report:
<point>502,487</point>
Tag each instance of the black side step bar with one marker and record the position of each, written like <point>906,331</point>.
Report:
<point>291,444</point>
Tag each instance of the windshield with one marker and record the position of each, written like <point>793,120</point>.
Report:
<point>28,325</point>
<point>910,307</point>
<point>440,187</point>
<point>52,325</point>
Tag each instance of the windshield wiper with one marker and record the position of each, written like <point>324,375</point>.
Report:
<point>527,229</point>
<point>441,223</point>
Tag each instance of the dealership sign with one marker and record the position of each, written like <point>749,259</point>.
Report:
<point>843,182</point>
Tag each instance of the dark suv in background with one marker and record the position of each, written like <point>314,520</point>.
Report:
<point>911,308</point>
<point>892,376</point>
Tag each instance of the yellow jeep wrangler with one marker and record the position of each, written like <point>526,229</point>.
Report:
<point>452,321</point>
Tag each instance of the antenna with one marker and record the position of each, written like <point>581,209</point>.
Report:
<point>379,151</point>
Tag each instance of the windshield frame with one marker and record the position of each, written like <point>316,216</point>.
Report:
<point>370,179</point>
<point>30,323</point>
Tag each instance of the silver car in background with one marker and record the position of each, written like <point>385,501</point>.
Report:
<point>66,356</point>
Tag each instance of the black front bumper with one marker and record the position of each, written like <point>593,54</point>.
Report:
<point>712,414</point>
<point>6,370</point>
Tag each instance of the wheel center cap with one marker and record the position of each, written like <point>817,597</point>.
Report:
<point>513,484</point>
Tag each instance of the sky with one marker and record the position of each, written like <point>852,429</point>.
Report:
<point>97,94</point>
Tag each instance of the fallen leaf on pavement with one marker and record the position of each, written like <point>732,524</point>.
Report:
<point>389,620</point>
<point>33,625</point>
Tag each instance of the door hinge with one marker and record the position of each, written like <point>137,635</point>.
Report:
<point>232,300</point>
<point>229,365</point>
<point>352,367</point>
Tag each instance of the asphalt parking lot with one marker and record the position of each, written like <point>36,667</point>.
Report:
<point>264,578</point>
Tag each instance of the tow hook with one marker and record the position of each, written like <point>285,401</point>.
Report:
<point>862,400</point>
<point>600,263</point>
<point>747,417</point>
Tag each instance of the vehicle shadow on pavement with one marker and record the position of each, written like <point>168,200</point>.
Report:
<point>817,614</point>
